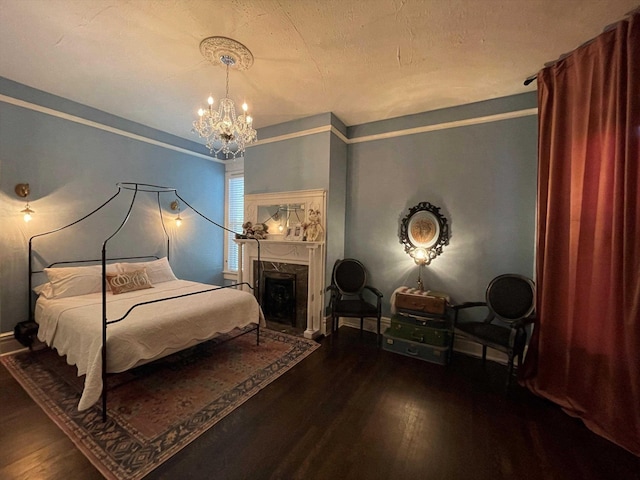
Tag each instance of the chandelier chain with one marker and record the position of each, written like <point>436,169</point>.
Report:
<point>227,90</point>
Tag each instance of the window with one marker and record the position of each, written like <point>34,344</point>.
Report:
<point>233,217</point>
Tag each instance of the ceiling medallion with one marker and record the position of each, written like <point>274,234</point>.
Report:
<point>225,132</point>
<point>215,48</point>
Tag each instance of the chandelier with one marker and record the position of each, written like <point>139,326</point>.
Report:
<point>226,132</point>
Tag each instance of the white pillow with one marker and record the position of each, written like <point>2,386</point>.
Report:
<point>73,281</point>
<point>158,271</point>
<point>46,290</point>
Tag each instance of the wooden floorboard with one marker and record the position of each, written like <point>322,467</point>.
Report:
<point>353,411</point>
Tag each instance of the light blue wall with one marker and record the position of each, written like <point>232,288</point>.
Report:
<point>298,163</point>
<point>336,204</point>
<point>72,169</point>
<point>483,177</point>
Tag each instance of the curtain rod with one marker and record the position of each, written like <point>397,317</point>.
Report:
<point>611,26</point>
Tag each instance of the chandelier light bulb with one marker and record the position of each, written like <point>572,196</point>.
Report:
<point>210,100</point>
<point>245,107</point>
<point>200,112</point>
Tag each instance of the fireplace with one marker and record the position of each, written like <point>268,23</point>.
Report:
<point>279,297</point>
<point>283,288</point>
<point>287,255</point>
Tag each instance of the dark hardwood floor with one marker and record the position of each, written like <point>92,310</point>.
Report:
<point>352,411</point>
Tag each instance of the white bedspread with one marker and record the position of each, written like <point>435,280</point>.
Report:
<point>73,326</point>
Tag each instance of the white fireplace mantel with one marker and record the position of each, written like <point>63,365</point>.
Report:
<point>277,249</point>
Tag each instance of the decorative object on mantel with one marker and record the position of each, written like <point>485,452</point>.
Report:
<point>424,232</point>
<point>312,228</point>
<point>225,132</point>
<point>294,232</point>
<point>259,231</point>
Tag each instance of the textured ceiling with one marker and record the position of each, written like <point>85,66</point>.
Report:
<point>363,60</point>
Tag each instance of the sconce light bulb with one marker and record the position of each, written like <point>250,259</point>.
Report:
<point>27,213</point>
<point>281,228</point>
<point>420,256</point>
<point>178,221</point>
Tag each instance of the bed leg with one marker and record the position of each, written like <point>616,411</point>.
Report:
<point>258,334</point>
<point>104,384</point>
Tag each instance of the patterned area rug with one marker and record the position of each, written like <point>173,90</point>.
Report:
<point>157,409</point>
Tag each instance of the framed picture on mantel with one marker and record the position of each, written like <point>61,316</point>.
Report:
<point>294,232</point>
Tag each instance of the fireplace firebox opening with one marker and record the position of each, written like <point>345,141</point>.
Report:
<point>279,297</point>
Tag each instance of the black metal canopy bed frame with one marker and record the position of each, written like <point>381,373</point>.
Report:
<point>231,294</point>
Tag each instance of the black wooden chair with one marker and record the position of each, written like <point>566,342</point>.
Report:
<point>348,288</point>
<point>509,308</point>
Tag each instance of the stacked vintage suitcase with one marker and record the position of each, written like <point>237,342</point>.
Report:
<point>421,326</point>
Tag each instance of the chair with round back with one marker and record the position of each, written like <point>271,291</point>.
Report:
<point>348,288</point>
<point>509,307</point>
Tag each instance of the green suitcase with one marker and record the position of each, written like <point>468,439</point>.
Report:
<point>431,334</point>
<point>422,351</point>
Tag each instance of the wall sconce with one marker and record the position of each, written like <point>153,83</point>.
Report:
<point>420,256</point>
<point>176,206</point>
<point>22,190</point>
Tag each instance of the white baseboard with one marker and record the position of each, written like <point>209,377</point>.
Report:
<point>8,344</point>
<point>369,323</point>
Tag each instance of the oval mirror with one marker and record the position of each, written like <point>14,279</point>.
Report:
<point>423,232</point>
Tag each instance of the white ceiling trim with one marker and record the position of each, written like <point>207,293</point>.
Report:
<point>312,131</point>
<point>443,126</point>
<point>302,133</point>
<point>400,133</point>
<point>83,121</point>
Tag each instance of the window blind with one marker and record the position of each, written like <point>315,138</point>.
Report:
<point>235,218</point>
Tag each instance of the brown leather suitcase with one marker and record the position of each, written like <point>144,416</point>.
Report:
<point>415,300</point>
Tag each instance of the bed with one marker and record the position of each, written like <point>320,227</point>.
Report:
<point>116,315</point>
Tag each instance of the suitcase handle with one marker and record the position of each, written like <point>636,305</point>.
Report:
<point>411,351</point>
<point>417,338</point>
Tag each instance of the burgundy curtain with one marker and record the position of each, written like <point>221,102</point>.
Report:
<point>584,353</point>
